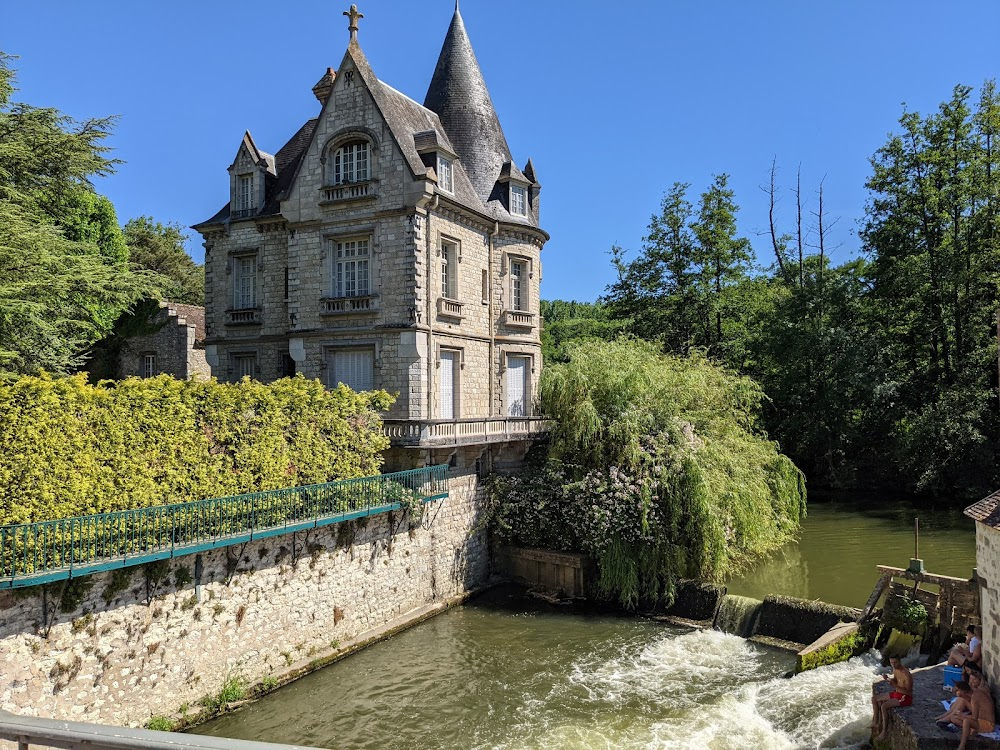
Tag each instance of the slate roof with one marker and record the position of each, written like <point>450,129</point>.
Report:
<point>459,96</point>
<point>458,116</point>
<point>407,120</point>
<point>986,510</point>
<point>194,315</point>
<point>286,163</point>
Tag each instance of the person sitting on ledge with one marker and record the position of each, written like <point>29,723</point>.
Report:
<point>969,669</point>
<point>901,695</point>
<point>982,717</point>
<point>959,708</point>
<point>971,650</point>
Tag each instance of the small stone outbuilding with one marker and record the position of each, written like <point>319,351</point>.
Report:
<point>986,514</point>
<point>174,346</point>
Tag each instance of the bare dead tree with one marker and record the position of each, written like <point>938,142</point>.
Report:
<point>776,242</point>
<point>798,223</point>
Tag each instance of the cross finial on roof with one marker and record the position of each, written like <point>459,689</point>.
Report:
<point>353,15</point>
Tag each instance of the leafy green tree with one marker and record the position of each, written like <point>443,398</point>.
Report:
<point>723,258</point>
<point>566,322</point>
<point>684,287</point>
<point>657,294</point>
<point>63,277</point>
<point>655,467</point>
<point>931,230</point>
<point>53,294</point>
<point>160,248</point>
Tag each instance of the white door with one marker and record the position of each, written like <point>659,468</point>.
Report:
<point>447,387</point>
<point>517,378</point>
<point>354,368</point>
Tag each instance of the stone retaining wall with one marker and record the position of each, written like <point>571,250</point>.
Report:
<point>133,644</point>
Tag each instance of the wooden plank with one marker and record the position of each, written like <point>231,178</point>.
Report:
<point>877,592</point>
<point>928,577</point>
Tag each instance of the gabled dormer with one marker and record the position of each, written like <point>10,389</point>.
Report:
<point>514,191</point>
<point>248,175</point>
<point>439,155</point>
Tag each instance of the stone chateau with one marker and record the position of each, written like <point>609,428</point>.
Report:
<point>391,245</point>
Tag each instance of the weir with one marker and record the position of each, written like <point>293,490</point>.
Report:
<point>738,615</point>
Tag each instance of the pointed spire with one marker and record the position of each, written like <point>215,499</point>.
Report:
<point>459,96</point>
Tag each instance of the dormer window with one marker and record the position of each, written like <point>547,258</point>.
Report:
<point>244,193</point>
<point>518,200</point>
<point>445,174</point>
<point>351,163</point>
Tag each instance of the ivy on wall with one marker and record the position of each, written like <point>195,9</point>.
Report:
<point>75,448</point>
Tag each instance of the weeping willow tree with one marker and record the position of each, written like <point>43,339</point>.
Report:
<point>655,468</point>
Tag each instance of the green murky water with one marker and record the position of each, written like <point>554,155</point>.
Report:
<point>505,672</point>
<point>843,539</point>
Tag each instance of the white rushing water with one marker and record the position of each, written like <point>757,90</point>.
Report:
<point>516,677</point>
<point>704,689</point>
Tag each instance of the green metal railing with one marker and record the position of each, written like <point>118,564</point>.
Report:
<point>35,553</point>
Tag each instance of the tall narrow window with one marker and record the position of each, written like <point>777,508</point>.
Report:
<point>517,386</point>
<point>518,296</point>
<point>446,178</point>
<point>245,200</point>
<point>351,163</point>
<point>486,287</point>
<point>148,365</point>
<point>518,200</point>
<point>352,367</point>
<point>447,383</point>
<point>245,283</point>
<point>245,366</point>
<point>351,268</point>
<point>449,270</point>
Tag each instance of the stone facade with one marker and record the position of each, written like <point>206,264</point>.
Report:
<point>267,609</point>
<point>278,300</point>
<point>176,346</point>
<point>988,574</point>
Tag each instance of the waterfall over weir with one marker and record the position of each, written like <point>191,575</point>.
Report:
<point>737,615</point>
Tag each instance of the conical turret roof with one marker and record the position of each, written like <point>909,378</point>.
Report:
<point>459,96</point>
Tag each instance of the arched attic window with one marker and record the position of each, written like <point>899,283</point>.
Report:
<point>349,161</point>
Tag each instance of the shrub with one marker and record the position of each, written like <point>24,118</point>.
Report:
<point>905,614</point>
<point>160,724</point>
<point>80,449</point>
<point>655,468</point>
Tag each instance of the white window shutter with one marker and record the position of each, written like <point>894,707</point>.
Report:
<point>447,385</point>
<point>354,368</point>
<point>517,373</point>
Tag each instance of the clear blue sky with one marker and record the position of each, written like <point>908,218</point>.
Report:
<point>613,101</point>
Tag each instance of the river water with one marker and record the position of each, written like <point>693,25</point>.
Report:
<point>506,672</point>
<point>844,537</point>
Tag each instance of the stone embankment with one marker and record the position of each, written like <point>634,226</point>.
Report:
<point>167,639</point>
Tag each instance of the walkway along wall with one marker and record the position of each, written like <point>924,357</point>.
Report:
<point>153,639</point>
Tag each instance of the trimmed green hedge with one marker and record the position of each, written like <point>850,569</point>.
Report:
<point>70,448</point>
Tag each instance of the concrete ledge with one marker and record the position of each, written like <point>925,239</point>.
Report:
<point>913,728</point>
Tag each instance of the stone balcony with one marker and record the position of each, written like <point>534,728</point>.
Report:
<point>436,433</point>
<point>246,317</point>
<point>449,308</point>
<point>349,305</point>
<point>518,319</point>
<point>348,191</point>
